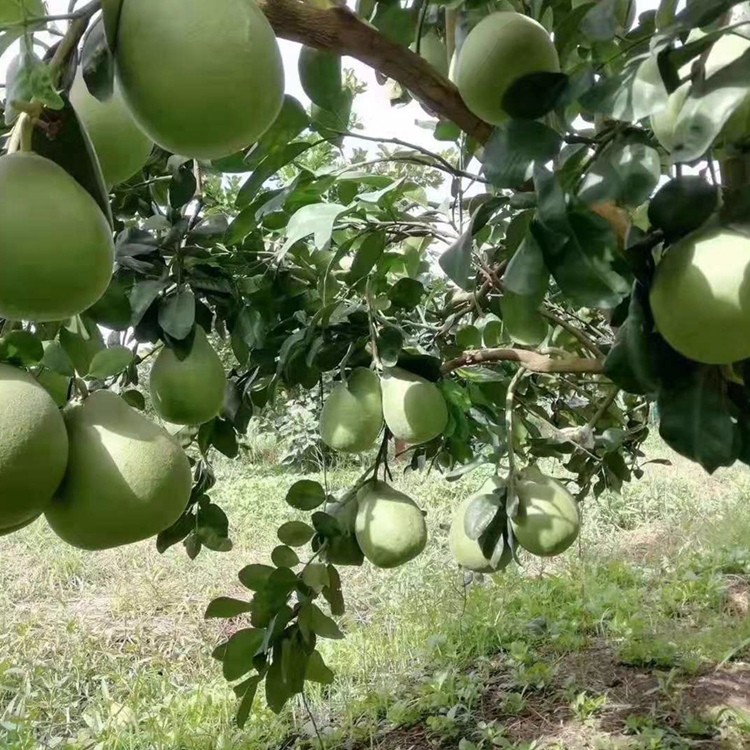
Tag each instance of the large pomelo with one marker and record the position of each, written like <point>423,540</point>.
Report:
<point>500,49</point>
<point>352,415</point>
<point>127,479</point>
<point>191,390</point>
<point>390,527</point>
<point>701,296</point>
<point>33,447</point>
<point>467,552</point>
<point>414,408</point>
<point>56,247</point>
<point>122,147</point>
<point>202,79</point>
<point>547,522</point>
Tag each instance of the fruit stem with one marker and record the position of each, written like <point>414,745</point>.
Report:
<point>20,137</point>
<point>510,399</point>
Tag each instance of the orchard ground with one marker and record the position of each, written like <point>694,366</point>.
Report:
<point>639,637</point>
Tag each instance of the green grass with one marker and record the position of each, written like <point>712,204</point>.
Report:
<point>110,651</point>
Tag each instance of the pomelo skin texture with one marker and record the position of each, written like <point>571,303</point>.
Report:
<point>466,551</point>
<point>547,522</point>
<point>127,479</point>
<point>201,81</point>
<point>352,416</point>
<point>188,391</point>
<point>414,409</point>
<point>701,296</point>
<point>33,447</point>
<point>500,49</point>
<point>56,247</point>
<point>390,528</point>
<point>122,147</point>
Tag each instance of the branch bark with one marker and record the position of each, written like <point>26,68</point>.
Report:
<point>341,31</point>
<point>532,361</point>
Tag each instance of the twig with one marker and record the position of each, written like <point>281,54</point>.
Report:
<point>532,361</point>
<point>603,408</point>
<point>74,34</point>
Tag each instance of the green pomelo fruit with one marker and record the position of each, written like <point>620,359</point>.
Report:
<point>547,522</point>
<point>414,408</point>
<point>390,527</point>
<point>56,248</point>
<point>122,147</point>
<point>33,447</point>
<point>523,322</point>
<point>352,416</point>
<point>127,479</point>
<point>664,122</point>
<point>434,51</point>
<point>701,296</point>
<point>200,82</point>
<point>188,391</point>
<point>6,530</point>
<point>344,549</point>
<point>467,552</point>
<point>499,50</point>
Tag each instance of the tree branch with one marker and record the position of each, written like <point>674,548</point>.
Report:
<point>339,30</point>
<point>532,361</point>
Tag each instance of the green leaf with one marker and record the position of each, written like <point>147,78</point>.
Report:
<point>246,692</point>
<point>177,314</point>
<point>295,533</point>
<point>315,575</point>
<point>514,148</point>
<point>224,438</point>
<point>534,95</point>
<point>406,293</point>
<point>631,363</point>
<point>183,526</point>
<point>255,577</point>
<point>135,399</point>
<point>110,362</point>
<point>182,186</point>
<point>320,76</point>
<point>317,220</point>
<point>142,296</point>
<point>479,514</point>
<point>277,691</point>
<point>56,359</point>
<point>21,347</point>
<point>390,341</point>
<point>239,652</point>
<point>682,205</point>
<point>369,252</point>
<point>605,20</point>
<point>306,495</point>
<point>526,274</point>
<point>226,607</point>
<point>284,557</point>
<point>98,63</point>
<point>394,22</point>
<point>318,622</point>
<point>317,671</point>
<point>695,419</point>
<point>332,592</point>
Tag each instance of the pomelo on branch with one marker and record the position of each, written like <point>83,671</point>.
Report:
<point>188,391</point>
<point>414,408</point>
<point>547,522</point>
<point>499,50</point>
<point>56,247</point>
<point>467,552</point>
<point>352,416</point>
<point>122,147</point>
<point>390,527</point>
<point>701,296</point>
<point>33,447</point>
<point>127,478</point>
<point>201,81</point>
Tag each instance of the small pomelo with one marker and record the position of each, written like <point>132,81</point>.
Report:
<point>201,81</point>
<point>352,416</point>
<point>500,49</point>
<point>122,147</point>
<point>33,447</point>
<point>56,247</point>
<point>414,408</point>
<point>191,390</point>
<point>127,478</point>
<point>547,522</point>
<point>390,527</point>
<point>700,297</point>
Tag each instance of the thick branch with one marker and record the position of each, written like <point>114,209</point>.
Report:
<point>341,31</point>
<point>532,361</point>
